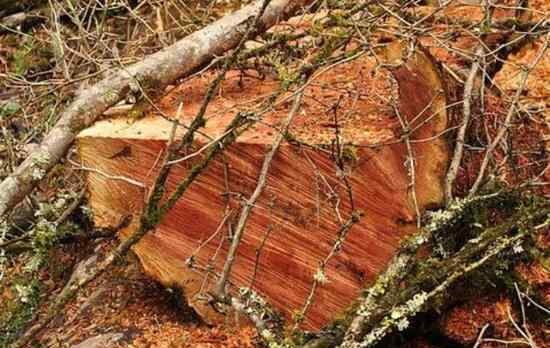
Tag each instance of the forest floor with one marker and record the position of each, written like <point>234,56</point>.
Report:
<point>125,301</point>
<point>141,313</point>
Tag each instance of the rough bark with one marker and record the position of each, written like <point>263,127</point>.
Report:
<point>161,68</point>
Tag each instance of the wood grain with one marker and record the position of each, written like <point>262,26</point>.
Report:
<point>295,214</point>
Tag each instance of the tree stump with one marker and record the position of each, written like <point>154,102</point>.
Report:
<point>294,225</point>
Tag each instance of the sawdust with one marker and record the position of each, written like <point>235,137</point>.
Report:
<point>126,301</point>
<point>351,97</point>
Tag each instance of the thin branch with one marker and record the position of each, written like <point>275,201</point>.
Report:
<point>461,135</point>
<point>219,290</point>
<point>508,120</point>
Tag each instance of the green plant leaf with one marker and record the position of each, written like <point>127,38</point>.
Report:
<point>9,108</point>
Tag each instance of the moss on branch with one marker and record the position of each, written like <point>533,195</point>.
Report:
<point>412,284</point>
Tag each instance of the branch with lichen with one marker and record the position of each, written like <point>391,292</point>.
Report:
<point>267,321</point>
<point>441,222</point>
<point>409,284</point>
<point>399,317</point>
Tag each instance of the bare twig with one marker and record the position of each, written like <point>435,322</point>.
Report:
<point>320,277</point>
<point>461,135</point>
<point>219,290</point>
<point>410,162</point>
<point>508,120</point>
<point>480,336</point>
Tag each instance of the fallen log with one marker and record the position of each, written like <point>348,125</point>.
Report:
<point>295,222</point>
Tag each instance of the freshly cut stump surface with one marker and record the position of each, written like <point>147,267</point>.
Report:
<point>294,224</point>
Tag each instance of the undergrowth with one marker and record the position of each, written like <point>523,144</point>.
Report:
<point>19,311</point>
